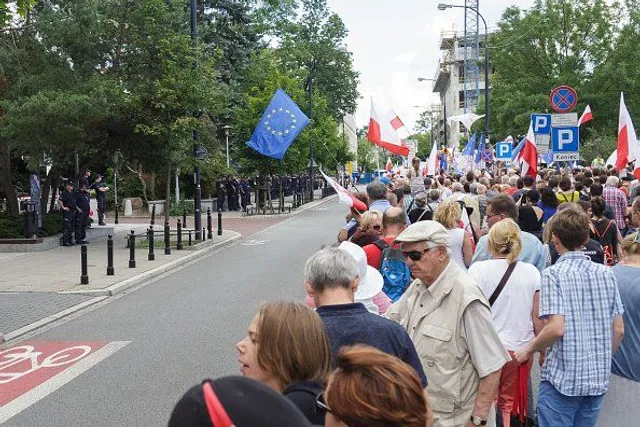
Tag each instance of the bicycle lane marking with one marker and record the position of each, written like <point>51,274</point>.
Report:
<point>36,369</point>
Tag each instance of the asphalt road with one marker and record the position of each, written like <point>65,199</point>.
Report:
<point>182,328</point>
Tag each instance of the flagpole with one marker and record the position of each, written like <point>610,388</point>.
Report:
<point>311,161</point>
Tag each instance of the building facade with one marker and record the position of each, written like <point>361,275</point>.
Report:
<point>449,83</point>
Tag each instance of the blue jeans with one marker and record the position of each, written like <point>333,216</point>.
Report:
<point>557,410</point>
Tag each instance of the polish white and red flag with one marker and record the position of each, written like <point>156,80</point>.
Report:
<point>389,165</point>
<point>344,195</point>
<point>587,116</point>
<point>383,133</point>
<point>628,145</point>
<point>431,167</point>
<point>529,154</point>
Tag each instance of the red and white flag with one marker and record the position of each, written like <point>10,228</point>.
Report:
<point>529,154</point>
<point>345,196</point>
<point>389,165</point>
<point>396,123</point>
<point>383,133</point>
<point>587,116</point>
<point>628,144</point>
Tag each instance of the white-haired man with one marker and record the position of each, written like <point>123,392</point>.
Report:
<point>449,320</point>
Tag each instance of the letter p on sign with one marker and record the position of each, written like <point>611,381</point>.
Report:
<point>565,139</point>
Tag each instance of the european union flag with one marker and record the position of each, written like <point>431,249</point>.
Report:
<point>518,148</point>
<point>480,149</point>
<point>471,145</point>
<point>281,122</point>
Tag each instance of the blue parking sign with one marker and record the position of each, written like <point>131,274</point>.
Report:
<point>541,124</point>
<point>565,139</point>
<point>503,150</point>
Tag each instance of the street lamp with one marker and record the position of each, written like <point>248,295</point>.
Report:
<point>444,6</point>
<point>227,128</point>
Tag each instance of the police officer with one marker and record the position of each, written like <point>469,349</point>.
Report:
<point>101,188</point>
<point>67,203</point>
<point>83,206</point>
<point>221,194</point>
<point>230,194</point>
<point>84,180</point>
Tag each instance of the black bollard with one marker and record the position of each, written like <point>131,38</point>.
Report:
<point>167,238</point>
<point>84,276</point>
<point>153,214</point>
<point>219,223</point>
<point>151,240</point>
<point>110,270</point>
<point>209,225</point>
<point>184,218</point>
<point>132,250</point>
<point>117,221</point>
<point>179,238</point>
<point>189,237</point>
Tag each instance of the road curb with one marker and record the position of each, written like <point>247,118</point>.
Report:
<point>42,322</point>
<point>148,275</point>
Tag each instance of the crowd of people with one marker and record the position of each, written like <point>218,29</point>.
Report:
<point>433,304</point>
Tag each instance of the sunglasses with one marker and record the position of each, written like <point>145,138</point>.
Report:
<point>321,405</point>
<point>377,227</point>
<point>415,255</point>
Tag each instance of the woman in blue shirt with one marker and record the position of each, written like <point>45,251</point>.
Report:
<point>548,203</point>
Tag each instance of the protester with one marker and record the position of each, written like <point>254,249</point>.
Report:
<point>333,276</point>
<point>455,337</point>
<point>591,248</point>
<point>369,228</point>
<point>605,232</point>
<point>499,208</point>
<point>421,210</point>
<point>580,300</point>
<point>448,214</point>
<point>276,353</point>
<point>372,388</point>
<point>392,224</point>
<point>548,203</point>
<point>615,198</point>
<point>514,307</point>
<point>235,401</point>
<point>566,194</point>
<point>377,193</point>
<point>626,362</point>
<point>530,216</point>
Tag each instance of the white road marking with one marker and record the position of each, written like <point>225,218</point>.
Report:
<point>254,242</point>
<point>21,403</point>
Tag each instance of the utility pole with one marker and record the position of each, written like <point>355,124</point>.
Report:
<point>197,198</point>
<point>311,161</point>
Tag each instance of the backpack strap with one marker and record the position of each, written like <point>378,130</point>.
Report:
<point>503,282</point>
<point>381,244</point>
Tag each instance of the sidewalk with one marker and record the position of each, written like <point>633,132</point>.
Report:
<point>40,287</point>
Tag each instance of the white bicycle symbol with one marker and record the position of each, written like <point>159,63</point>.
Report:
<point>17,355</point>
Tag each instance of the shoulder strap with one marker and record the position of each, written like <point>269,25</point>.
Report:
<point>411,204</point>
<point>421,215</point>
<point>381,244</point>
<point>503,282</point>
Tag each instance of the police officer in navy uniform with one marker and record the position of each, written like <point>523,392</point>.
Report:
<point>82,213</point>
<point>67,203</point>
<point>221,193</point>
<point>100,188</point>
<point>84,180</point>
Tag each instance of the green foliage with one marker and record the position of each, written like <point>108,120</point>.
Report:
<point>12,227</point>
<point>590,45</point>
<point>178,208</point>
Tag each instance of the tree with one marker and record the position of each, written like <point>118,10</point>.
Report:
<point>557,42</point>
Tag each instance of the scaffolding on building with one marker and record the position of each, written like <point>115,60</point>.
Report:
<point>471,48</point>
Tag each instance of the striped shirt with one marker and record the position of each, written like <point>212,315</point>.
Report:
<point>615,198</point>
<point>586,295</point>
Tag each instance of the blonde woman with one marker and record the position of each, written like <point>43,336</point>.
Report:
<point>515,308</point>
<point>448,214</point>
<point>369,229</point>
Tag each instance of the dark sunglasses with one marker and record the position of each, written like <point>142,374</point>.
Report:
<point>415,255</point>
<point>377,227</point>
<point>321,405</point>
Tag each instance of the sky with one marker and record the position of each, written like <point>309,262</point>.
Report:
<point>396,41</point>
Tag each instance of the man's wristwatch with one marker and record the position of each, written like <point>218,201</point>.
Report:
<point>477,421</point>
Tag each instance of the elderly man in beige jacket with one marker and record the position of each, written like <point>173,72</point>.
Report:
<point>449,320</point>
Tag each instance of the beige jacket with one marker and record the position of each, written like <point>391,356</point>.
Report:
<point>439,325</point>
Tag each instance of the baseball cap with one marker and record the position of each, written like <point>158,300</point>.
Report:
<point>371,281</point>
<point>425,231</point>
<point>238,400</point>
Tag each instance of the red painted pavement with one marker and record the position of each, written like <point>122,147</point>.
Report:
<point>32,363</point>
